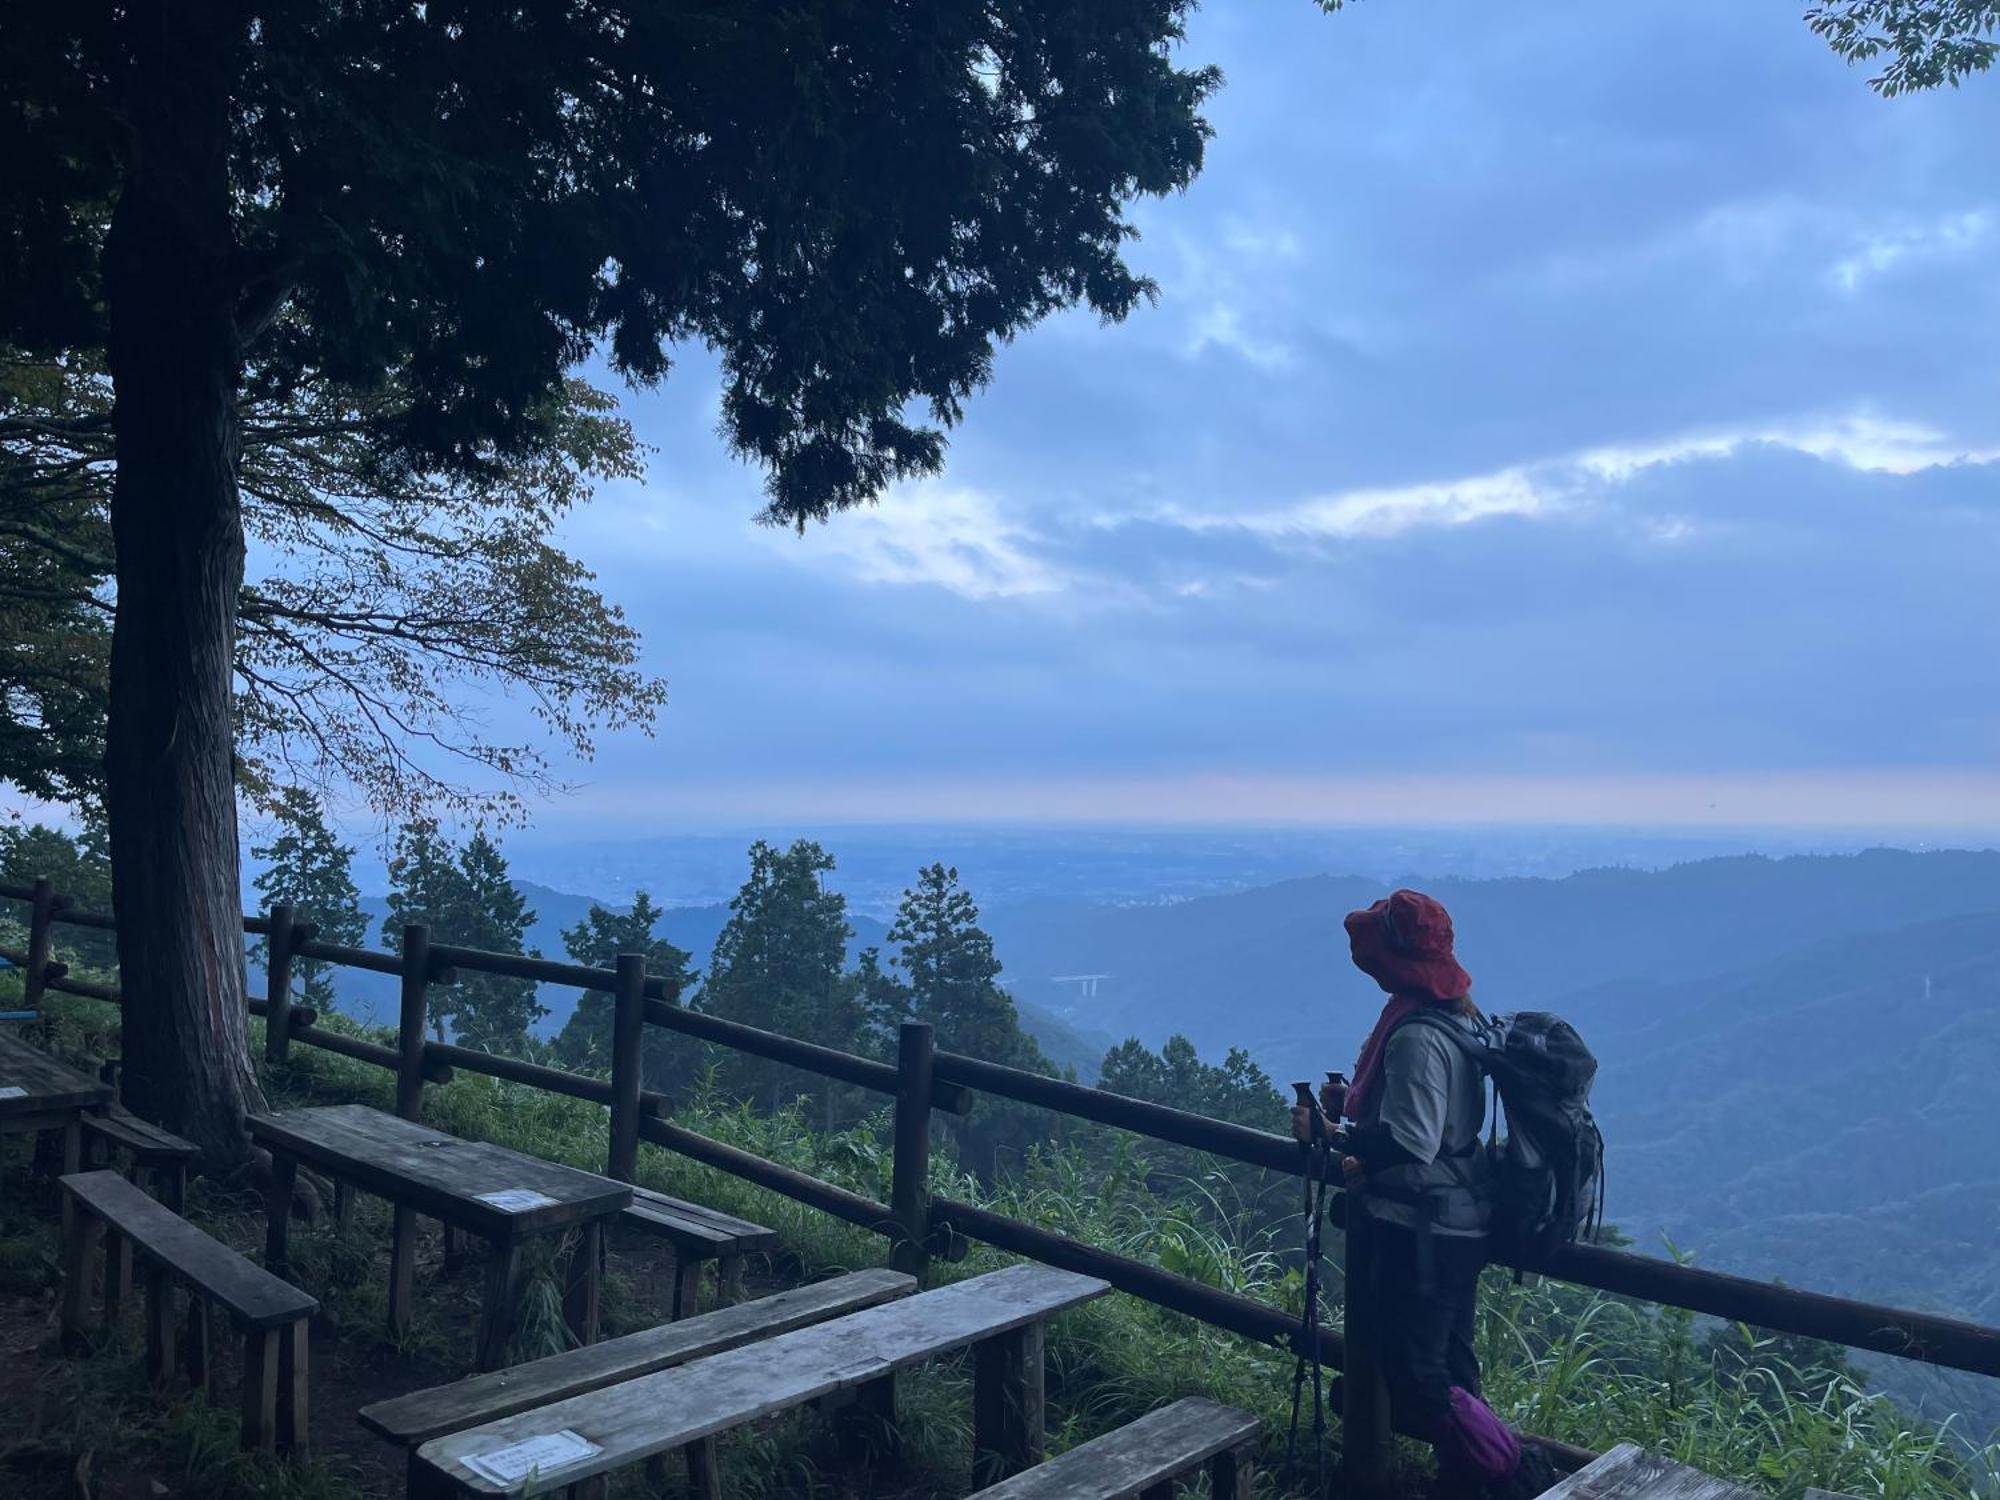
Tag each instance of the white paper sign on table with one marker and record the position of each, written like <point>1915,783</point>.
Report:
<point>517,1200</point>
<point>537,1455</point>
<point>13,1091</point>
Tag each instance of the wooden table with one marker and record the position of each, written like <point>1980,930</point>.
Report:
<point>38,1093</point>
<point>498,1195</point>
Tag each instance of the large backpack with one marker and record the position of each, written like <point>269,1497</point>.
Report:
<point>1549,1171</point>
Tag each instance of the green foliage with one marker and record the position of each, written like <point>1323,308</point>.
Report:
<point>584,1043</point>
<point>1926,42</point>
<point>78,865</point>
<point>778,965</point>
<point>313,871</point>
<point>390,593</point>
<point>849,208</point>
<point>466,898</point>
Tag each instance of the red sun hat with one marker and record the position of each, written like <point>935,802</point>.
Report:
<point>1403,943</point>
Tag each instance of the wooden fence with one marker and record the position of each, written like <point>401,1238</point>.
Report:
<point>919,1225</point>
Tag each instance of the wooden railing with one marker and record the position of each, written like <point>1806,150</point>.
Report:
<point>921,1082</point>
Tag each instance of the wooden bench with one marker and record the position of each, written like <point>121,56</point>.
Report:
<point>147,1147</point>
<point>1628,1472</point>
<point>414,1419</point>
<point>1000,1316</point>
<point>1141,1460</point>
<point>273,1314</point>
<point>699,1235</point>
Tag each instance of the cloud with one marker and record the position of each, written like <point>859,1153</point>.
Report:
<point>935,535</point>
<point>1951,236</point>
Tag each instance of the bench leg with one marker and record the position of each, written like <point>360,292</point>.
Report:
<point>867,1424</point>
<point>687,1286</point>
<point>402,1269</point>
<point>80,1246</point>
<point>1229,1475</point>
<point>454,1249</point>
<point>260,1388</point>
<point>422,1482</point>
<point>343,1206</point>
<point>278,1212</point>
<point>1007,1402</point>
<point>294,1367</point>
<point>117,1276</point>
<point>581,1293</point>
<point>704,1475</point>
<point>729,1281</point>
<point>201,1372</point>
<point>503,1295</point>
<point>72,1161</point>
<point>160,1330</point>
<point>172,1182</point>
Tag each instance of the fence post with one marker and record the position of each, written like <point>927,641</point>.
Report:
<point>628,1042</point>
<point>410,1024</point>
<point>278,985</point>
<point>910,1186</point>
<point>1365,1442</point>
<point>41,913</point>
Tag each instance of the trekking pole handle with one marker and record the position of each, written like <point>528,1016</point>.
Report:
<point>1306,1100</point>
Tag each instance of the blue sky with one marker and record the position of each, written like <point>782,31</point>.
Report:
<point>1552,412</point>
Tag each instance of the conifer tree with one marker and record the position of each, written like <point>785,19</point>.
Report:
<point>953,973</point>
<point>585,1039</point>
<point>778,964</point>
<point>494,1012</point>
<point>426,886</point>
<point>312,871</point>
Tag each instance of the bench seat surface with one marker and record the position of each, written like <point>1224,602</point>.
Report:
<point>1134,1458</point>
<point>692,1227</point>
<point>426,1414</point>
<point>143,1138</point>
<point>158,1234</point>
<point>660,1412</point>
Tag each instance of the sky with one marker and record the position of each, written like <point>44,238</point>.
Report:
<point>1551,412</point>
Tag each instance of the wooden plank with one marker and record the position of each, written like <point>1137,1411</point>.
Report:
<point>1627,1472</point>
<point>45,1084</point>
<point>655,1413</point>
<point>1157,1447</point>
<point>164,1239</point>
<point>120,1128</point>
<point>1007,1404</point>
<point>438,1175</point>
<point>677,1219</point>
<point>422,1415</point>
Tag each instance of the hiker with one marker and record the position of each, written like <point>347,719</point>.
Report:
<point>1413,1162</point>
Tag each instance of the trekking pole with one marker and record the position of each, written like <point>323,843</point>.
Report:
<point>1315,1153</point>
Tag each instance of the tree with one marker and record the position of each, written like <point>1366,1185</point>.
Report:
<point>388,596</point>
<point>427,887</point>
<point>850,204</point>
<point>494,1012</point>
<point>603,934</point>
<point>953,974</point>
<point>312,871</point>
<point>778,964</point>
<point>78,866</point>
<point>1927,42</point>
<point>1236,1090</point>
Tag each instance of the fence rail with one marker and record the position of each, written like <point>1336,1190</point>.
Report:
<point>922,1082</point>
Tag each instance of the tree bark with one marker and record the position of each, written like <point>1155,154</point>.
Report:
<point>177,529</point>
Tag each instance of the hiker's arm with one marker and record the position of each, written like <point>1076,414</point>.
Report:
<point>1416,1083</point>
<point>1377,1148</point>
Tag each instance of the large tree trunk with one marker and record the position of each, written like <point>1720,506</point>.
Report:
<point>177,527</point>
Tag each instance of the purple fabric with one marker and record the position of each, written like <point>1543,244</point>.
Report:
<point>1473,1438</point>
